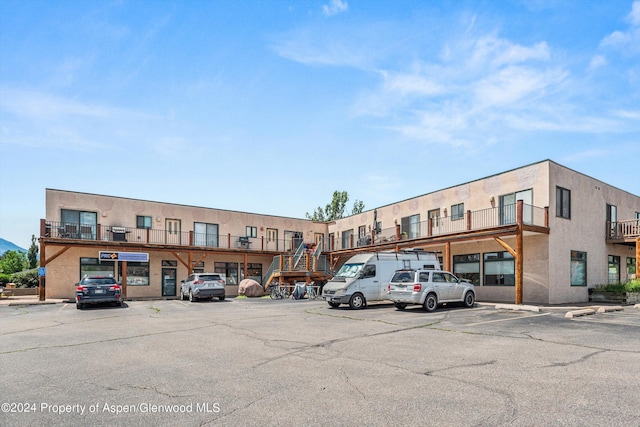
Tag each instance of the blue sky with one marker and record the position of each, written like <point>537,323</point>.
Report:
<point>270,106</point>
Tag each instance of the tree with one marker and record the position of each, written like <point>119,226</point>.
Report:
<point>12,262</point>
<point>32,255</point>
<point>335,209</point>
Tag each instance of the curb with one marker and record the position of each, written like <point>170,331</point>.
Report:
<point>577,313</point>
<point>533,308</point>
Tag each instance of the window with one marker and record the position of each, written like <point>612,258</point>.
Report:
<point>252,231</point>
<point>346,238</point>
<point>578,268</point>
<point>467,267</point>
<point>507,207</point>
<point>631,268</point>
<point>205,234</point>
<point>292,239</point>
<point>137,273</point>
<point>612,218</point>
<point>363,238</point>
<point>229,270</point>
<point>143,222</point>
<point>369,270</point>
<point>198,267</point>
<point>78,224</point>
<point>411,226</point>
<point>563,203</point>
<point>254,271</point>
<point>93,267</point>
<point>499,269</point>
<point>457,211</point>
<point>614,269</point>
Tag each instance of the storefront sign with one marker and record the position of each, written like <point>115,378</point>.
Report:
<point>124,256</point>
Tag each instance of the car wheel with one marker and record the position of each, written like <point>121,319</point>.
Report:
<point>182,297</point>
<point>191,297</point>
<point>334,304</point>
<point>469,299</point>
<point>431,302</point>
<point>400,305</point>
<point>79,306</point>
<point>221,298</point>
<point>357,302</point>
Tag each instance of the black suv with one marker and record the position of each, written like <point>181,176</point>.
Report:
<point>98,289</point>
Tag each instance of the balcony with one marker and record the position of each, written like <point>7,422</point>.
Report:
<point>94,234</point>
<point>623,231</point>
<point>535,219</point>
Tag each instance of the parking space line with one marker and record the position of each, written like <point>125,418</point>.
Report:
<point>505,320</point>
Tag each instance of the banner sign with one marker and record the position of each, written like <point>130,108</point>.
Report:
<point>124,256</point>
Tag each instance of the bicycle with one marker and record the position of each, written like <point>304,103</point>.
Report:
<point>278,291</point>
<point>312,293</point>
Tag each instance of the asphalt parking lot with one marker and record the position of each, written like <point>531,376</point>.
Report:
<point>265,363</point>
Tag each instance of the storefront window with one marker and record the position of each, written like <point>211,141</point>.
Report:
<point>93,267</point>
<point>137,273</point>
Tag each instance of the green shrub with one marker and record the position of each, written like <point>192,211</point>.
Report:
<point>26,278</point>
<point>4,279</point>
<point>632,286</point>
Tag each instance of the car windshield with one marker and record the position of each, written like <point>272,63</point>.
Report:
<point>402,276</point>
<point>209,277</point>
<point>98,281</point>
<point>349,270</point>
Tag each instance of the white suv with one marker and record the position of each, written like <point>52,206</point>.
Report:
<point>203,286</point>
<point>429,288</point>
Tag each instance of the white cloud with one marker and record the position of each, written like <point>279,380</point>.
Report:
<point>634,15</point>
<point>335,7</point>
<point>597,61</point>
<point>627,40</point>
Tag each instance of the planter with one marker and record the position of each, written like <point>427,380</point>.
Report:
<point>615,297</point>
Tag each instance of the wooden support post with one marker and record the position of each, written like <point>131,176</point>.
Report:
<point>190,268</point>
<point>519,252</point>
<point>190,238</point>
<point>546,216</point>
<point>42,280</point>
<point>123,274</point>
<point>246,266</point>
<point>430,228</point>
<point>468,220</point>
<point>447,256</point>
<point>638,258</point>
<point>397,232</point>
<point>373,237</point>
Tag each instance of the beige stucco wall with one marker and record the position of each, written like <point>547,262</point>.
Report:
<point>476,195</point>
<point>585,231</point>
<point>122,212</point>
<point>64,271</point>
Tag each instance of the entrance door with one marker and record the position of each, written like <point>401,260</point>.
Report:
<point>168,282</point>
<point>172,231</point>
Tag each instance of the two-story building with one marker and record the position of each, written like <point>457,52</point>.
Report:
<point>570,233</point>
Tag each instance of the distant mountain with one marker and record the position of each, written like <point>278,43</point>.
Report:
<point>6,245</point>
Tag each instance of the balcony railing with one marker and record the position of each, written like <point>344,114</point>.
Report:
<point>109,233</point>
<point>623,230</point>
<point>440,226</point>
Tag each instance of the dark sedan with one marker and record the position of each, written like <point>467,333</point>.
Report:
<point>98,289</point>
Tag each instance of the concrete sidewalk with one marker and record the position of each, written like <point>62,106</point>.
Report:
<point>28,300</point>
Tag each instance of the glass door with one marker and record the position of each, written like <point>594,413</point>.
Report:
<point>168,282</point>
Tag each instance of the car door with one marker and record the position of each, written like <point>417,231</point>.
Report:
<point>440,285</point>
<point>454,288</point>
<point>369,283</point>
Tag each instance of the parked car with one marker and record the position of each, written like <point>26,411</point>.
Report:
<point>98,289</point>
<point>429,288</point>
<point>203,286</point>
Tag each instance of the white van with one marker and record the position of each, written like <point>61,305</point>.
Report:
<point>364,277</point>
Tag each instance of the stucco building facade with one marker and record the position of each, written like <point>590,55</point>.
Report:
<point>576,233</point>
